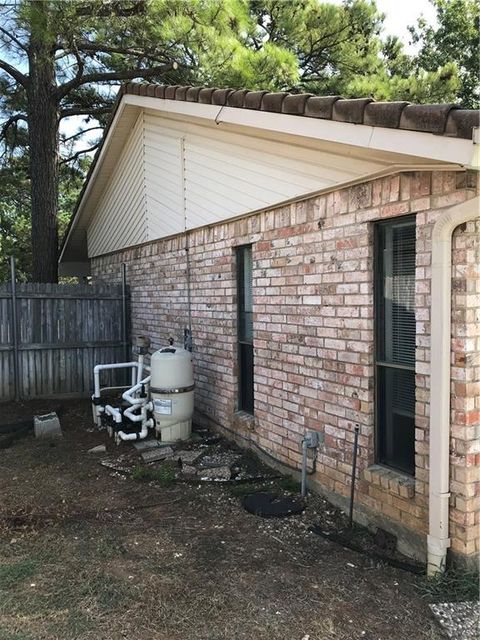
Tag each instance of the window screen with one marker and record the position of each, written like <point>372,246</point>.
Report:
<point>395,343</point>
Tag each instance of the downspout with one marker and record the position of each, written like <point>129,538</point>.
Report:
<point>438,539</point>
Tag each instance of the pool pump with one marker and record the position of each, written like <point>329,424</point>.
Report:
<point>160,397</point>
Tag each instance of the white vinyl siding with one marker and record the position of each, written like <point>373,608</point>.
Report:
<point>119,219</point>
<point>226,174</point>
<point>174,175</point>
<point>163,181</point>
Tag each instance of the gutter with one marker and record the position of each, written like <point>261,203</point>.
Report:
<point>438,540</point>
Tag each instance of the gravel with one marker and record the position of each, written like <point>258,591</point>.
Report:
<point>460,620</point>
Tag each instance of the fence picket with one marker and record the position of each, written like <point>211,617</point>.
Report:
<point>62,330</point>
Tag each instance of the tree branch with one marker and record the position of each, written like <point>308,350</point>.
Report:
<point>74,82</point>
<point>11,121</point>
<point>15,73</point>
<point>98,47</point>
<point>128,74</point>
<point>116,8</point>
<point>73,111</point>
<point>77,154</point>
<point>80,133</point>
<point>19,44</point>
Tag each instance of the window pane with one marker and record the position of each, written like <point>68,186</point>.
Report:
<point>245,354</point>
<point>245,329</point>
<point>395,343</point>
<point>397,302</point>
<point>396,416</point>
<point>245,315</point>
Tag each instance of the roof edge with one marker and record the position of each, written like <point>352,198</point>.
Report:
<point>440,119</point>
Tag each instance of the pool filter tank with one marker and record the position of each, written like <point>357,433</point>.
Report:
<point>171,393</point>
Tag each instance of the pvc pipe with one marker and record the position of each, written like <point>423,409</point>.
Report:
<point>95,414</point>
<point>103,367</point>
<point>140,368</point>
<point>137,417</point>
<point>121,435</point>
<point>129,394</point>
<point>114,412</point>
<point>438,539</point>
<point>134,417</point>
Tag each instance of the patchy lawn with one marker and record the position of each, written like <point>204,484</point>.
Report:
<point>86,553</point>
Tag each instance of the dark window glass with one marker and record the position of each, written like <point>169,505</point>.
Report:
<point>245,329</point>
<point>395,343</point>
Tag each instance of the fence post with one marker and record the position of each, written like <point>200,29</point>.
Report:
<point>16,372</point>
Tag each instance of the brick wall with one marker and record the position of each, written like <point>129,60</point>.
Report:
<point>313,333</point>
<point>465,407</point>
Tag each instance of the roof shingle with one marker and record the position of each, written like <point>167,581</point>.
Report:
<point>440,119</point>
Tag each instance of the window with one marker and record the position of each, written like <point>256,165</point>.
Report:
<point>245,329</point>
<point>395,343</point>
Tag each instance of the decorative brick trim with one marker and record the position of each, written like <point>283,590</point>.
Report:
<point>392,481</point>
<point>243,421</point>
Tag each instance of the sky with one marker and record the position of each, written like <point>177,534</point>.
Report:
<point>400,14</point>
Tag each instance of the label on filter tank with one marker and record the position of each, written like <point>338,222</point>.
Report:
<point>162,406</point>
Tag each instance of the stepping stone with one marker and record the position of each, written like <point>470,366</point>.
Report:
<point>215,474</point>
<point>143,445</point>
<point>224,459</point>
<point>158,453</point>
<point>187,457</point>
<point>188,470</point>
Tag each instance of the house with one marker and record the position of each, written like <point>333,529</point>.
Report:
<point>324,256</point>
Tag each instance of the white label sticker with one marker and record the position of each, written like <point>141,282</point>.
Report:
<point>162,406</point>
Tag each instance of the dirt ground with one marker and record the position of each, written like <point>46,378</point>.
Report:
<point>86,553</point>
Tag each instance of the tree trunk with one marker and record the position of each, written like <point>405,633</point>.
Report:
<point>43,126</point>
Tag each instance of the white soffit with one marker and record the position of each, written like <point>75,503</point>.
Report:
<point>412,144</point>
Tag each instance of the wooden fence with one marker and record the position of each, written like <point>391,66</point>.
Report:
<point>52,335</point>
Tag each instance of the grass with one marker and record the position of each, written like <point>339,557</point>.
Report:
<point>12,574</point>
<point>188,564</point>
<point>66,597</point>
<point>164,475</point>
<point>7,634</point>
<point>454,585</point>
<point>107,592</point>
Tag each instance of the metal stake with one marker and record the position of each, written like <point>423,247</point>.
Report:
<point>16,363</point>
<point>354,469</point>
